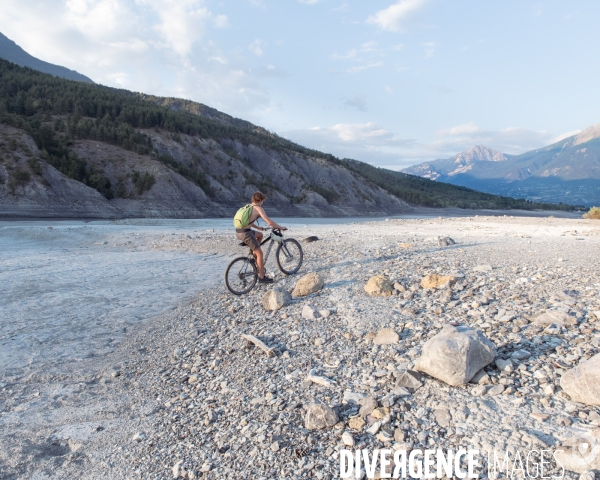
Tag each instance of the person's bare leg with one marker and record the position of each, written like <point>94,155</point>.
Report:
<point>260,262</point>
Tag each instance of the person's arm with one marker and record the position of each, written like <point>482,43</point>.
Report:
<point>270,222</point>
<point>255,226</point>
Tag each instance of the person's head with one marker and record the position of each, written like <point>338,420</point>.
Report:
<point>258,198</point>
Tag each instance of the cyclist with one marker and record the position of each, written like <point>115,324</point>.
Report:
<point>244,222</point>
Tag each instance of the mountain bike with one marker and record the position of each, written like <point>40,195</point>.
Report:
<point>242,273</point>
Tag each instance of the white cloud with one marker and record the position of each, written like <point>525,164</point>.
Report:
<point>513,140</point>
<point>256,47</point>
<point>366,56</point>
<point>562,136</point>
<point>162,47</point>
<point>221,21</point>
<point>394,18</point>
<point>358,101</point>
<point>309,2</point>
<point>429,49</point>
<point>360,68</point>
<point>369,142</point>
<point>379,146</point>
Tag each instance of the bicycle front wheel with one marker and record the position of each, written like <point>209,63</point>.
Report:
<point>241,276</point>
<point>289,256</point>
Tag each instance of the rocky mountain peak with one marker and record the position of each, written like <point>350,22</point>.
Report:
<point>479,153</point>
<point>588,134</point>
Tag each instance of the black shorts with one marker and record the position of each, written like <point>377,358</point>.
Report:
<point>248,237</point>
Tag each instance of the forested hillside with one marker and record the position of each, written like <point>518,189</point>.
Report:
<point>151,156</point>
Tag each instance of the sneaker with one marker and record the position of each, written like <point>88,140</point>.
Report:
<point>265,280</point>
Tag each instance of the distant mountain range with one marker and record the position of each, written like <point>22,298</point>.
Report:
<point>10,51</point>
<point>567,171</point>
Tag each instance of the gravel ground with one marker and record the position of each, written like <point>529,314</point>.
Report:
<point>184,395</point>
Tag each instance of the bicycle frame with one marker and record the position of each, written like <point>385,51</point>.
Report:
<point>269,237</point>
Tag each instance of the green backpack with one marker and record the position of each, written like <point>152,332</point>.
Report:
<point>242,217</point>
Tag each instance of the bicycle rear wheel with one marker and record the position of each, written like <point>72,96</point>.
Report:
<point>289,256</point>
<point>241,276</point>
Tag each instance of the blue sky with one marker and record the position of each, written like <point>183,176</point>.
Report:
<point>389,82</point>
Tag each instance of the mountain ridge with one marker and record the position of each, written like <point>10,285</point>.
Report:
<point>12,52</point>
<point>549,173</point>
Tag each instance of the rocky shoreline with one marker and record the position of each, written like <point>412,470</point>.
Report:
<point>197,400</point>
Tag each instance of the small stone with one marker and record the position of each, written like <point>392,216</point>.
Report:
<point>422,436</point>
<point>348,439</point>
<point>482,268</point>
<point>504,365</point>
<point>177,469</point>
<point>138,437</point>
<point>495,390</point>
<point>399,435</point>
<point>386,336</point>
<point>399,287</point>
<point>442,417</point>
<point>310,313</point>
<point>556,317</point>
<point>211,417</point>
<point>206,467</point>
<point>356,423</point>
<point>409,379</point>
<point>324,313</point>
<point>479,390</point>
<point>564,421</point>
<point>384,436</point>
<point>373,429</point>
<point>549,389</point>
<point>193,379</point>
<point>380,413</point>
<point>539,416</point>
<point>319,416</point>
<point>445,241</point>
<point>481,378</point>
<point>368,404</point>
<point>434,280</point>
<point>352,397</point>
<point>274,447</point>
<point>520,354</point>
<point>276,299</point>
<point>379,286</point>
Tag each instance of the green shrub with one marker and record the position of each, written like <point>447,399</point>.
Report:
<point>100,183</point>
<point>143,181</point>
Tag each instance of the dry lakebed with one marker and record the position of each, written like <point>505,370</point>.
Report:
<point>122,354</point>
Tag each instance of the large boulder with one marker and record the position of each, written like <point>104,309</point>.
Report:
<point>434,280</point>
<point>582,383</point>
<point>309,283</point>
<point>557,317</point>
<point>379,286</point>
<point>276,299</point>
<point>455,355</point>
<point>320,416</point>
